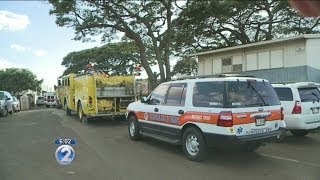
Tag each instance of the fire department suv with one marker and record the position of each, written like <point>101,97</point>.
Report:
<point>215,111</point>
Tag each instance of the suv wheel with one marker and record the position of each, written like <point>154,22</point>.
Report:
<point>194,145</point>
<point>299,133</point>
<point>133,128</point>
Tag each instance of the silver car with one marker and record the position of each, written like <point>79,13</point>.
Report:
<point>6,103</point>
<point>16,104</point>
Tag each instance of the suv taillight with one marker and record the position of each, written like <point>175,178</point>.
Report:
<point>282,114</point>
<point>225,119</point>
<point>297,108</point>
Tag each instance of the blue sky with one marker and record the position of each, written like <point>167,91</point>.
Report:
<point>29,38</point>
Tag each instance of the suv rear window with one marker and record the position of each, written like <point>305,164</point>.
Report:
<point>208,94</point>
<point>40,98</point>
<point>251,93</point>
<point>284,94</point>
<point>309,94</point>
<point>240,94</point>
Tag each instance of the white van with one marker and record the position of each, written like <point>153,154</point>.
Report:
<point>50,99</point>
<point>301,105</point>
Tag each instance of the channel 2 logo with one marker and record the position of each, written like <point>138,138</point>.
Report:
<point>65,154</point>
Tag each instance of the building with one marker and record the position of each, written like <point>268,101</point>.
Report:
<point>282,60</point>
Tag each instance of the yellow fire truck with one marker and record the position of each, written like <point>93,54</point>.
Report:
<point>95,94</point>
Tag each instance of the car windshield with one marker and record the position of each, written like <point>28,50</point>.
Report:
<point>40,98</point>
<point>2,96</point>
<point>250,94</point>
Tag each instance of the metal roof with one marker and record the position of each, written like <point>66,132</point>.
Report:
<point>305,36</point>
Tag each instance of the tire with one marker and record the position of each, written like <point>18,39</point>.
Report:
<point>5,112</point>
<point>12,110</point>
<point>194,145</point>
<point>134,129</point>
<point>47,106</point>
<point>68,111</point>
<point>299,133</point>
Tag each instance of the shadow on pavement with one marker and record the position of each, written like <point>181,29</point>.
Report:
<point>306,140</point>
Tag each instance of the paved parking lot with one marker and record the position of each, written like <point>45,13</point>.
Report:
<point>104,151</point>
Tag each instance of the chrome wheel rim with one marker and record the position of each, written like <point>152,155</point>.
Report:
<point>192,144</point>
<point>132,128</point>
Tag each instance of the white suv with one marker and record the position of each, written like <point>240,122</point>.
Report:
<point>221,111</point>
<point>301,104</point>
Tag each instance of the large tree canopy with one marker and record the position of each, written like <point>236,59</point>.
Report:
<point>115,58</point>
<point>185,66</point>
<point>16,80</point>
<point>144,22</point>
<point>214,24</point>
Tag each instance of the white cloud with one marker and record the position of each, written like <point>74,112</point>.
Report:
<point>36,52</point>
<point>4,63</point>
<point>18,47</point>
<point>39,52</point>
<point>12,22</point>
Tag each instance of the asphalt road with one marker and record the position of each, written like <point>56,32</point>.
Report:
<point>104,151</point>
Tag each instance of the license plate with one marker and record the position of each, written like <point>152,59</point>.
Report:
<point>315,110</point>
<point>260,121</point>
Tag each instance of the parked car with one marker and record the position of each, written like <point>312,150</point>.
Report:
<point>6,103</point>
<point>220,111</point>
<point>301,104</point>
<point>40,101</point>
<point>16,104</point>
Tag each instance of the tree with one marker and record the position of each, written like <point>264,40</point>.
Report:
<point>228,23</point>
<point>16,80</point>
<point>115,58</point>
<point>185,66</point>
<point>144,22</point>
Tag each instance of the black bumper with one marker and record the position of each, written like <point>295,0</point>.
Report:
<point>217,140</point>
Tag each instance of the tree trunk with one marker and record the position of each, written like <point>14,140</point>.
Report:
<point>168,42</point>
<point>145,64</point>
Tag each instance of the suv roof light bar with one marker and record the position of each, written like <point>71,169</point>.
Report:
<point>214,76</point>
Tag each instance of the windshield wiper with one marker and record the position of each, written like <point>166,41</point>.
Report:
<point>314,94</point>
<point>259,95</point>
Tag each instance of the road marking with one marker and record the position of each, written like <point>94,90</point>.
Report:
<point>291,160</point>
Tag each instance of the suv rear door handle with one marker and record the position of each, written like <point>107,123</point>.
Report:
<point>180,112</point>
<point>156,109</point>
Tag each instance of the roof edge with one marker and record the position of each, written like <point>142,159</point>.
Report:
<point>304,36</point>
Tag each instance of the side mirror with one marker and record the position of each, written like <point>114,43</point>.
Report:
<point>8,99</point>
<point>143,99</point>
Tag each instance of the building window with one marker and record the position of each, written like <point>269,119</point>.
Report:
<point>226,61</point>
<point>226,65</point>
<point>237,68</point>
